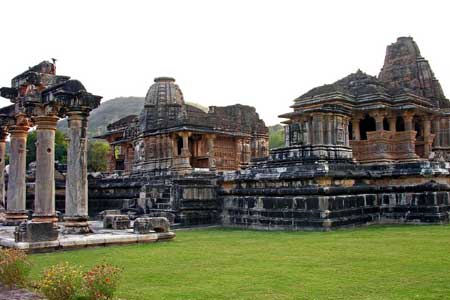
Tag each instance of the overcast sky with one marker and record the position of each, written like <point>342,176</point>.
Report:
<point>259,53</point>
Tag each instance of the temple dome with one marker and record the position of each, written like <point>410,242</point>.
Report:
<point>164,92</point>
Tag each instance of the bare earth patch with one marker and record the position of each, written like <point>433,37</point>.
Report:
<point>17,294</point>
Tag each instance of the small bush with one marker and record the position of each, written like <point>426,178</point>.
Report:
<point>101,282</point>
<point>14,267</point>
<point>61,281</point>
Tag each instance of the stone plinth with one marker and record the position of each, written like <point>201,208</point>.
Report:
<point>149,224</point>
<point>35,232</point>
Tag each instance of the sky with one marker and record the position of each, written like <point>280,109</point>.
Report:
<point>258,53</point>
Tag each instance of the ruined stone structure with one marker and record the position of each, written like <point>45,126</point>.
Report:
<point>364,149</point>
<point>169,156</point>
<point>170,135</point>
<point>40,98</point>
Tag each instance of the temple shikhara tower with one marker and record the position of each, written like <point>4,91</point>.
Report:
<point>401,115</point>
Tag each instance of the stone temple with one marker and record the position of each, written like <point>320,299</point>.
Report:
<point>362,150</point>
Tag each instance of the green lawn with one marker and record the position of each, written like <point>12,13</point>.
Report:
<point>395,262</point>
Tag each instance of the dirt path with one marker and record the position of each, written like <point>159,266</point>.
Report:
<point>16,294</point>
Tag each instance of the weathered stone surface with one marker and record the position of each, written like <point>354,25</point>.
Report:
<point>35,232</point>
<point>150,224</point>
<point>116,222</point>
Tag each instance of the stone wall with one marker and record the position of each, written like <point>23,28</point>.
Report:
<point>323,196</point>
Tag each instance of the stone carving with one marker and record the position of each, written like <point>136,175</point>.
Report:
<point>35,232</point>
<point>116,222</point>
<point>149,224</point>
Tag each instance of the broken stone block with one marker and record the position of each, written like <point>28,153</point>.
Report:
<point>35,232</point>
<point>117,222</point>
<point>150,224</point>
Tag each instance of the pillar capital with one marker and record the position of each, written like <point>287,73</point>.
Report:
<point>46,122</point>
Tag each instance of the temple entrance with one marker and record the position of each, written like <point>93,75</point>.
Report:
<point>365,125</point>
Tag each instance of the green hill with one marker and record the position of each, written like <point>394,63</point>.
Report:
<point>112,110</point>
<point>108,112</point>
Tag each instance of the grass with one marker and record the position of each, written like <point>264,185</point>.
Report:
<point>392,262</point>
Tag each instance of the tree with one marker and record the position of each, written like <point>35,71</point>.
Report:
<point>60,147</point>
<point>98,156</point>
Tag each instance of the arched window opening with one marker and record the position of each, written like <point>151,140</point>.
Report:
<point>179,145</point>
<point>418,128</point>
<point>385,124</point>
<point>400,124</point>
<point>365,125</point>
<point>350,130</point>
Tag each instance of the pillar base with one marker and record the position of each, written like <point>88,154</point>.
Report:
<point>76,225</point>
<point>44,218</point>
<point>15,217</point>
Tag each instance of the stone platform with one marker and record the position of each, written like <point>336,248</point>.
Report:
<point>99,237</point>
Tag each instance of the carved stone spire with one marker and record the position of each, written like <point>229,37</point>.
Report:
<point>405,70</point>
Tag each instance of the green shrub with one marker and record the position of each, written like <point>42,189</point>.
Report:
<point>14,267</point>
<point>101,281</point>
<point>61,281</point>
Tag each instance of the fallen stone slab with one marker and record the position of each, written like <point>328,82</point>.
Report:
<point>151,224</point>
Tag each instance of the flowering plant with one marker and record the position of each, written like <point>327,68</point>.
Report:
<point>101,281</point>
<point>14,267</point>
<point>61,281</point>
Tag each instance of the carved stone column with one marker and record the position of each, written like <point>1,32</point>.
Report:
<point>407,118</point>
<point>15,212</point>
<point>392,124</point>
<point>379,121</point>
<point>427,137</point>
<point>76,216</point>
<point>44,200</point>
<point>331,128</point>
<point>211,158</point>
<point>3,135</point>
<point>437,132</point>
<point>355,128</point>
<point>317,124</point>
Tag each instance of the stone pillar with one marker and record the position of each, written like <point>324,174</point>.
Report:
<point>355,128</point>
<point>437,132</point>
<point>76,216</point>
<point>3,135</point>
<point>174,146</point>
<point>211,158</point>
<point>185,150</point>
<point>392,124</point>
<point>112,159</point>
<point>15,202</point>
<point>317,124</point>
<point>44,200</point>
<point>426,137</point>
<point>331,128</point>
<point>407,118</point>
<point>379,121</point>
